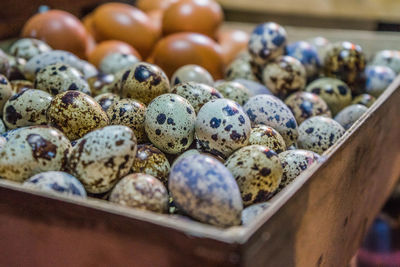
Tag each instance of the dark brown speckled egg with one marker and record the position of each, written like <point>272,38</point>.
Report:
<point>106,100</point>
<point>267,136</point>
<point>5,92</point>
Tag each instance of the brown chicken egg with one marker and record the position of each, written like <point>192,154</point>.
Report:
<point>126,23</point>
<point>232,43</point>
<point>59,29</point>
<point>177,50</point>
<point>151,5</point>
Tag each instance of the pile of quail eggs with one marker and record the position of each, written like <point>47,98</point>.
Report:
<point>212,151</point>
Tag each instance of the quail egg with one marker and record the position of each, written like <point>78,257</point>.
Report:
<point>271,111</point>
<point>3,141</point>
<point>151,160</point>
<point>102,157</point>
<point>115,62</point>
<point>320,43</point>
<point>308,56</point>
<point>141,191</point>
<point>4,64</point>
<point>101,84</point>
<point>240,68</point>
<point>169,123</point>
<point>18,85</point>
<point>59,77</point>
<point>27,48</point>
<point>388,58</point>
<point>196,93</point>
<point>336,93</point>
<point>222,127</point>
<point>257,171</point>
<point>267,42</point>
<point>144,82</point>
<point>56,182</point>
<point>234,91</point>
<point>26,108</point>
<point>5,92</point>
<point>106,100</point>
<point>267,136</point>
<point>284,76</point>
<point>75,114</point>
<point>204,189</point>
<point>2,127</point>
<point>378,78</point>
<point>349,115</point>
<point>254,88</point>
<point>33,150</point>
<point>364,99</point>
<point>305,105</point>
<point>319,133</point>
<point>131,113</point>
<point>192,73</point>
<point>253,211</point>
<point>17,66</point>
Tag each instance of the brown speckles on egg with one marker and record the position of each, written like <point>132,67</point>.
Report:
<point>258,175</point>
<point>28,47</point>
<point>19,85</point>
<point>267,136</point>
<point>5,92</point>
<point>192,73</point>
<point>101,84</point>
<point>106,100</point>
<point>76,114</point>
<point>234,91</point>
<point>240,68</point>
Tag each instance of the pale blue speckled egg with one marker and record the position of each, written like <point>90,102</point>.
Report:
<point>378,78</point>
<point>307,54</point>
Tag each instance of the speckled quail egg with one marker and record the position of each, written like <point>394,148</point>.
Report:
<point>76,114</point>
<point>102,157</point>
<point>254,88</point>
<point>349,115</point>
<point>284,76</point>
<point>257,171</point>
<point>305,105</point>
<point>28,47</point>
<point>3,141</point>
<point>234,91</point>
<point>345,61</point>
<point>131,113</point>
<point>240,68</point>
<point>5,92</point>
<point>295,162</point>
<point>267,42</point>
<point>204,189</point>
<point>32,150</point>
<point>196,93</point>
<point>141,191</point>
<point>4,64</point>
<point>18,85</point>
<point>222,127</point>
<point>271,111</point>
<point>151,160</point>
<point>388,58</point>
<point>101,84</point>
<point>58,78</point>
<point>307,54</point>
<point>56,182</point>
<point>192,73</point>
<point>267,136</point>
<point>378,78</point>
<point>319,133</point>
<point>9,134</point>
<point>185,154</point>
<point>334,92</point>
<point>2,127</point>
<point>144,82</point>
<point>26,108</point>
<point>320,43</point>
<point>106,100</point>
<point>169,123</point>
<point>17,66</point>
<point>114,62</point>
<point>251,212</point>
<point>364,99</point>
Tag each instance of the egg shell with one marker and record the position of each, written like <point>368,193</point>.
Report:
<point>350,114</point>
<point>169,123</point>
<point>250,213</point>
<point>192,73</point>
<point>141,191</point>
<point>28,47</point>
<point>115,62</point>
<point>196,93</point>
<point>3,141</point>
<point>222,127</point>
<point>33,150</point>
<point>26,108</point>
<point>204,188</point>
<point>2,127</point>
<point>18,85</point>
<point>320,43</point>
<point>305,105</point>
<point>267,136</point>
<point>234,91</point>
<point>107,47</point>
<point>319,133</point>
<point>4,64</point>
<point>232,41</point>
<point>131,113</point>
<point>271,111</point>
<point>152,161</point>
<point>388,58</point>
<point>76,114</point>
<point>17,66</point>
<point>255,88</point>
<point>257,171</point>
<point>100,84</point>
<point>334,92</point>
<point>240,68</point>
<point>294,162</point>
<point>106,100</point>
<point>102,157</point>
<point>307,54</point>
<point>5,92</point>
<point>56,182</point>
<point>378,79</point>
<point>284,76</point>
<point>144,82</point>
<point>364,99</point>
<point>267,42</point>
